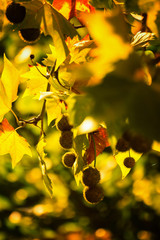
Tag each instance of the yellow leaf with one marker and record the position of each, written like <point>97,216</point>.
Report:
<point>110,39</point>
<point>8,87</point>
<point>51,57</point>
<point>156,146</point>
<point>120,158</point>
<point>36,81</point>
<point>11,142</point>
<point>53,108</point>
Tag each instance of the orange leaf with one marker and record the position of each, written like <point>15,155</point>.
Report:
<point>98,141</point>
<point>70,8</point>
<point>11,142</point>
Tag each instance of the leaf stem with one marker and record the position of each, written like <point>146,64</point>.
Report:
<point>17,120</point>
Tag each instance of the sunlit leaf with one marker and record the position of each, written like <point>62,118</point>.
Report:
<point>80,143</point>
<point>141,39</point>
<point>120,159</point>
<point>71,8</point>
<point>11,142</point>
<point>36,81</point>
<point>8,87</point>
<point>53,108</point>
<point>55,25</point>
<point>113,46</point>
<point>51,57</point>
<point>98,141</point>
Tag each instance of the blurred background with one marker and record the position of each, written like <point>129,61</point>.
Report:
<point>130,209</point>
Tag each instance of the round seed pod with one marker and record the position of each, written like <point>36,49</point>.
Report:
<point>15,12</point>
<point>29,35</point>
<point>128,135</point>
<point>122,145</point>
<point>140,144</point>
<point>66,139</point>
<point>93,194</point>
<point>63,124</point>
<point>91,176</point>
<point>68,159</point>
<point>129,162</point>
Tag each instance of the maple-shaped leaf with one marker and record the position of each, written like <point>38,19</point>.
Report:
<point>98,141</point>
<point>71,8</point>
<point>36,81</point>
<point>11,142</point>
<point>8,87</point>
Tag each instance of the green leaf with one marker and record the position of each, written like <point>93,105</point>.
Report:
<point>132,6</point>
<point>47,181</point>
<point>122,99</point>
<point>79,108</point>
<point>81,143</point>
<point>108,4</point>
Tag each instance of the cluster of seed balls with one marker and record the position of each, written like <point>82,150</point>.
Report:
<point>93,193</point>
<point>16,13</point>
<point>137,142</point>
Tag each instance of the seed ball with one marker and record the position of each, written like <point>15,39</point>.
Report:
<point>32,56</point>
<point>66,139</point>
<point>68,159</point>
<point>63,124</point>
<point>93,194</point>
<point>15,12</point>
<point>140,144</point>
<point>91,176</point>
<point>129,162</point>
<point>29,35</point>
<point>122,145</point>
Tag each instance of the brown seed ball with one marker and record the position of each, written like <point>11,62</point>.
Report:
<point>129,162</point>
<point>122,145</point>
<point>29,35</point>
<point>15,12</point>
<point>91,176</point>
<point>68,159</point>
<point>128,135</point>
<point>140,144</point>
<point>93,194</point>
<point>66,139</point>
<point>63,124</point>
